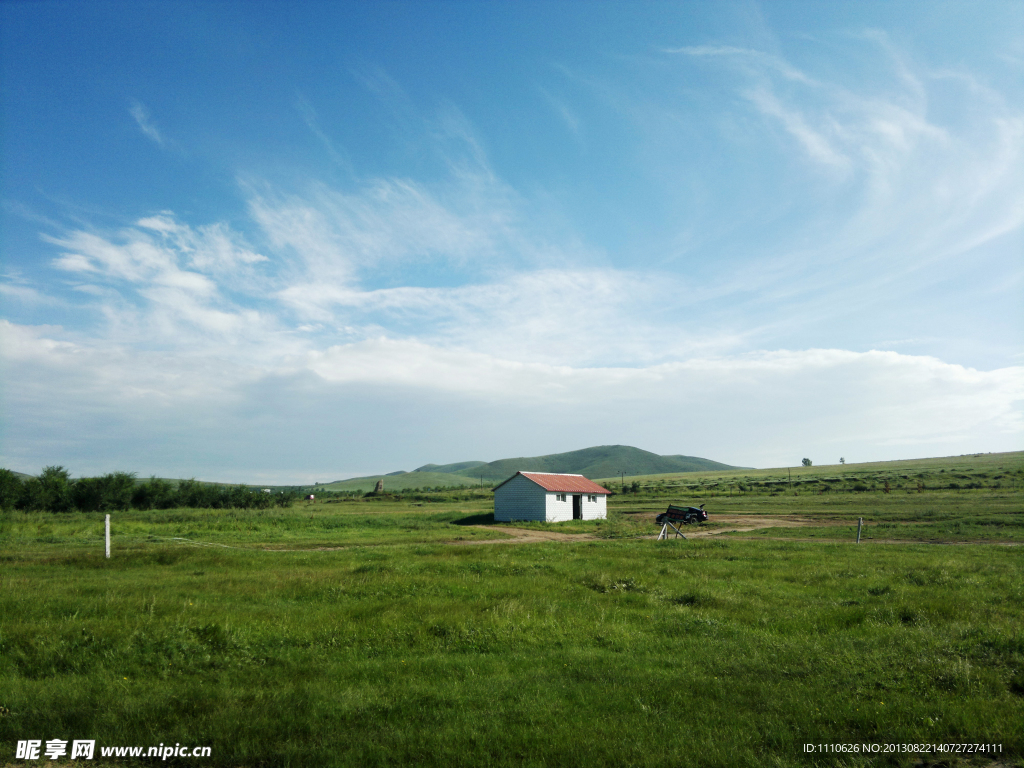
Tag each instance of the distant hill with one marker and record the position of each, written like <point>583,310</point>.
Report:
<point>600,461</point>
<point>450,468</point>
<point>400,481</point>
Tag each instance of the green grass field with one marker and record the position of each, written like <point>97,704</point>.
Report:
<point>368,633</point>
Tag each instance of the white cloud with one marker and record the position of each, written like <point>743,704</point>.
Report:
<point>567,115</point>
<point>754,59</point>
<point>25,295</point>
<point>817,146</point>
<point>767,408</point>
<point>145,122</point>
<point>164,282</point>
<point>135,255</point>
<point>74,262</point>
<point>918,182</point>
<point>309,117</point>
<point>339,236</point>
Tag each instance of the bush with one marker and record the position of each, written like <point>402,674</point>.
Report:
<point>50,492</point>
<point>31,498</point>
<point>55,483</point>
<point>100,494</point>
<point>192,493</point>
<point>154,494</point>
<point>11,489</point>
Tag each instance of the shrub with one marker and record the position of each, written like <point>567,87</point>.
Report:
<point>11,489</point>
<point>285,499</point>
<point>32,497</point>
<point>99,494</point>
<point>54,490</point>
<point>192,493</point>
<point>154,494</point>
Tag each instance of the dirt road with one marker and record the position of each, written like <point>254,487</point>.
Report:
<point>735,523</point>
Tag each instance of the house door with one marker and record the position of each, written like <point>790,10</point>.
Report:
<point>577,507</point>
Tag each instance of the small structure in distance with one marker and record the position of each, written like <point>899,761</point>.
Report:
<point>548,497</point>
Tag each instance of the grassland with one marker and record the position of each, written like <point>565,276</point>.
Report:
<point>970,472</point>
<point>361,633</point>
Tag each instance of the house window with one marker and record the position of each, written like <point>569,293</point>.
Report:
<point>559,497</point>
<point>592,499</point>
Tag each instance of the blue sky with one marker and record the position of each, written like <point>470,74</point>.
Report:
<point>283,242</point>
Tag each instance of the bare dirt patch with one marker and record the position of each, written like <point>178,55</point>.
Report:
<point>734,523</point>
<point>527,536</point>
<point>739,523</point>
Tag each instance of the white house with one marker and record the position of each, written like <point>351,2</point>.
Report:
<point>550,498</point>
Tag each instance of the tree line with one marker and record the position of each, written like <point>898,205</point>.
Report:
<point>55,491</point>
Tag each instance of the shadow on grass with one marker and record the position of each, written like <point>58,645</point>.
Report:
<point>484,519</point>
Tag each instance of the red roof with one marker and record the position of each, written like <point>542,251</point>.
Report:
<point>561,483</point>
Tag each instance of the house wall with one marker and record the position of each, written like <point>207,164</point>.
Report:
<point>560,511</point>
<point>521,499</point>
<point>597,510</point>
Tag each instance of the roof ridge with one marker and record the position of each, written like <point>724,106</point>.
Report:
<point>563,474</point>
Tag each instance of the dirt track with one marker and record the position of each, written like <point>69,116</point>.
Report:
<point>723,524</point>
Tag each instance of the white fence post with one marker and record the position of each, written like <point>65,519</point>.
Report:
<point>108,537</point>
<point>860,522</point>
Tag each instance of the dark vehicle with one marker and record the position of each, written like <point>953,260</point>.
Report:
<point>684,515</point>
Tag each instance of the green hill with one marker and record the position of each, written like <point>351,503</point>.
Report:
<point>600,461</point>
<point>400,481</point>
<point>450,468</point>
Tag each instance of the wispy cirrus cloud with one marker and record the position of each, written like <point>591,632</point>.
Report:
<point>754,59</point>
<point>163,281</point>
<point>835,126</point>
<point>906,190</point>
<point>145,122</point>
<point>26,295</point>
<point>564,112</point>
<point>312,121</point>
